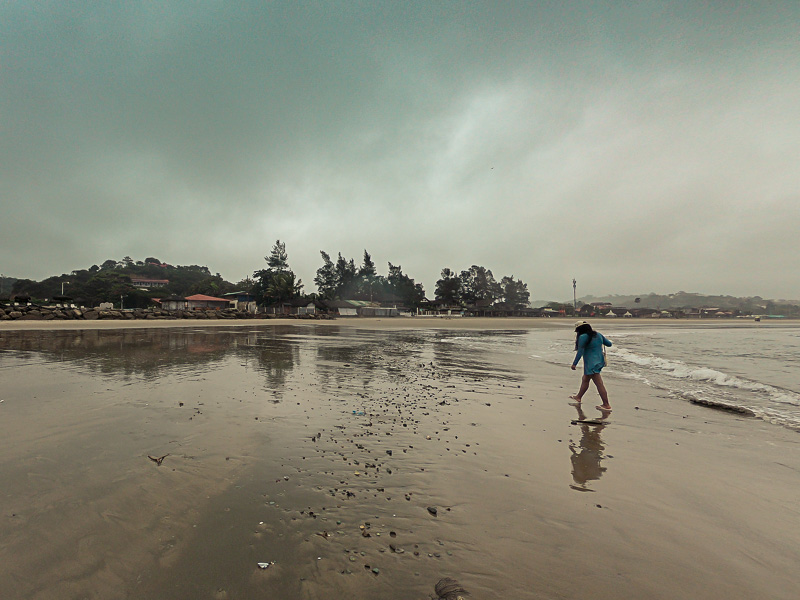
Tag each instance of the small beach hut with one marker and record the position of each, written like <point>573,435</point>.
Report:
<point>173,303</point>
<point>203,302</point>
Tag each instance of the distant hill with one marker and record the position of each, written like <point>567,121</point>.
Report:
<point>750,305</point>
<point>112,282</point>
<point>6,285</point>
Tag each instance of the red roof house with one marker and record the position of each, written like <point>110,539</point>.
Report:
<point>203,302</point>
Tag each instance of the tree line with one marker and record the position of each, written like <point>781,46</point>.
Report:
<point>342,279</point>
<point>477,286</point>
<point>110,281</point>
<point>339,279</point>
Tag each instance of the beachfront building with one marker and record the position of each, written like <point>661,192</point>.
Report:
<point>307,307</point>
<point>504,309</point>
<point>146,284</point>
<point>243,301</point>
<point>363,308</point>
<point>366,308</point>
<point>378,311</point>
<point>278,308</point>
<point>296,306</point>
<point>644,312</point>
<point>203,302</point>
<point>343,308</point>
<point>173,303</point>
<point>440,308</point>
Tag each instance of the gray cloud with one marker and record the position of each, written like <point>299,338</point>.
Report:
<point>637,149</point>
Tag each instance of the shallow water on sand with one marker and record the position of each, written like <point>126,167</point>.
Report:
<point>314,449</point>
<point>319,451</point>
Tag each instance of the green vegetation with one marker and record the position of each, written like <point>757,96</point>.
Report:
<point>477,286</point>
<point>111,282</point>
<point>276,283</point>
<point>343,280</point>
<point>6,285</point>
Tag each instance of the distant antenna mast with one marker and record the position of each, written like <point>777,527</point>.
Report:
<point>574,294</point>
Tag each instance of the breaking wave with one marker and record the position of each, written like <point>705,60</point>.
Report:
<point>714,388</point>
<point>681,370</point>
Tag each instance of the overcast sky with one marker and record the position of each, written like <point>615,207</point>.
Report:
<point>635,146</point>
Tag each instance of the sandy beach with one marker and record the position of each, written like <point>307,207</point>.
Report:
<point>366,458</point>
<point>367,323</point>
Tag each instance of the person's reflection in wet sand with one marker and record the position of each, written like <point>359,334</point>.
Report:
<point>588,453</point>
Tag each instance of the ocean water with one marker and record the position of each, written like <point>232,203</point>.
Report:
<point>751,366</point>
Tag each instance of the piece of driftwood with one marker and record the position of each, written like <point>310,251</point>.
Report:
<point>722,406</point>
<point>449,589</point>
<point>158,460</point>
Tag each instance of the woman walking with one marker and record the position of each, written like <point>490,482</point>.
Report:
<point>589,346</point>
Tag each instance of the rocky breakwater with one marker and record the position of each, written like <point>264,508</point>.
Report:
<point>33,312</point>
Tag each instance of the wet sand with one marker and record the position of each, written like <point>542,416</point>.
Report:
<point>483,323</point>
<point>320,446</point>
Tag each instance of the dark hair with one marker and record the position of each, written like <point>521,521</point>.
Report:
<point>580,330</point>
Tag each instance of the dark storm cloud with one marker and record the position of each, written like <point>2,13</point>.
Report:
<point>636,148</point>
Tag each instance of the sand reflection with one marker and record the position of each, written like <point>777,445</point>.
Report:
<point>587,454</point>
<point>272,437</point>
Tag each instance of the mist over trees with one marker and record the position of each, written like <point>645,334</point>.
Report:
<point>477,286</point>
<point>342,280</point>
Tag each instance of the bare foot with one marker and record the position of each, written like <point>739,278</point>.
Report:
<point>578,400</point>
<point>603,408</point>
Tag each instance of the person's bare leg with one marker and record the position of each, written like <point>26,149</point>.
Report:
<point>584,386</point>
<point>601,389</point>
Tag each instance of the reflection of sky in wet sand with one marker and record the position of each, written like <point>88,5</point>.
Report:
<point>103,400</point>
<point>587,454</point>
<point>153,353</point>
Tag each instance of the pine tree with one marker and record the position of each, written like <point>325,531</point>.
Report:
<point>277,282</point>
<point>326,277</point>
<point>278,260</point>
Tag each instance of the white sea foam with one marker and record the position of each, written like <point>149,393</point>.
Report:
<point>750,368</point>
<point>681,370</point>
<point>769,403</point>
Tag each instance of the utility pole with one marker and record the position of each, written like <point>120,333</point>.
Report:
<point>121,307</point>
<point>574,294</point>
<point>63,283</point>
